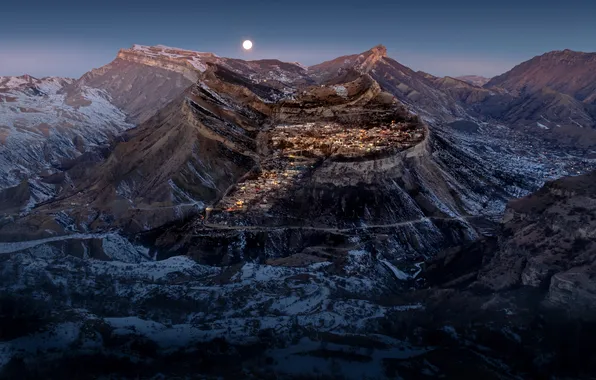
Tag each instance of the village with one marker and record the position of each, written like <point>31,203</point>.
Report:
<point>297,150</point>
<point>274,180</point>
<point>337,140</point>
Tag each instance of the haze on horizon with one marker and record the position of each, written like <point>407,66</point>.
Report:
<point>459,37</point>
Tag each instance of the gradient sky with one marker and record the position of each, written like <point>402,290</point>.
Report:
<point>442,37</point>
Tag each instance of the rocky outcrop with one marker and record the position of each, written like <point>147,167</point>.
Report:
<point>574,290</point>
<point>546,241</point>
<point>352,102</point>
<point>13,199</point>
<point>185,62</point>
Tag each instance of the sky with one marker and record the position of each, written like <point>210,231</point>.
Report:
<point>442,37</point>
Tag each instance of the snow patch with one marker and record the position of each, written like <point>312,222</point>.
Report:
<point>396,272</point>
<point>341,91</point>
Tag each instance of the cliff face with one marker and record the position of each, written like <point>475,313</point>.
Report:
<point>549,241</point>
<point>140,81</point>
<point>546,241</point>
<point>185,62</point>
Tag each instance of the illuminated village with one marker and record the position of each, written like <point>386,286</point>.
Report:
<point>337,140</point>
<point>297,150</point>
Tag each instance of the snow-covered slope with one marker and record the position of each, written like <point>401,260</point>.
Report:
<point>40,127</point>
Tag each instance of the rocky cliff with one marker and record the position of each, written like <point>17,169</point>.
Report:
<point>546,241</point>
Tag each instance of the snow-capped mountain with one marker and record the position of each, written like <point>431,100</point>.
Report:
<point>41,127</point>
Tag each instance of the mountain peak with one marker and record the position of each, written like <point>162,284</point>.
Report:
<point>373,56</point>
<point>27,77</point>
<point>566,54</point>
<point>186,62</point>
<point>379,50</point>
<point>167,51</point>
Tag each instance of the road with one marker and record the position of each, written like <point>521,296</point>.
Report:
<point>331,229</point>
<point>10,247</point>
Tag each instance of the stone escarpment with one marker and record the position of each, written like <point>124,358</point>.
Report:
<point>138,84</point>
<point>185,62</point>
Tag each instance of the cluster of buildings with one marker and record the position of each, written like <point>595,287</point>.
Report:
<point>269,183</point>
<point>333,139</point>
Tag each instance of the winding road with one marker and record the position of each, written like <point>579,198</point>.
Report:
<point>11,247</point>
<point>333,229</point>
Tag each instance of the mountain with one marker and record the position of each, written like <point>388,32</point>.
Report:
<point>46,123</point>
<point>225,116</point>
<point>566,74</point>
<point>461,90</point>
<point>40,127</point>
<point>362,63</point>
<point>411,88</point>
<point>475,80</point>
<point>143,79</point>
<point>218,135</point>
<point>354,218</point>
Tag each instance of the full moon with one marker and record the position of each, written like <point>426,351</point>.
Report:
<point>247,45</point>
